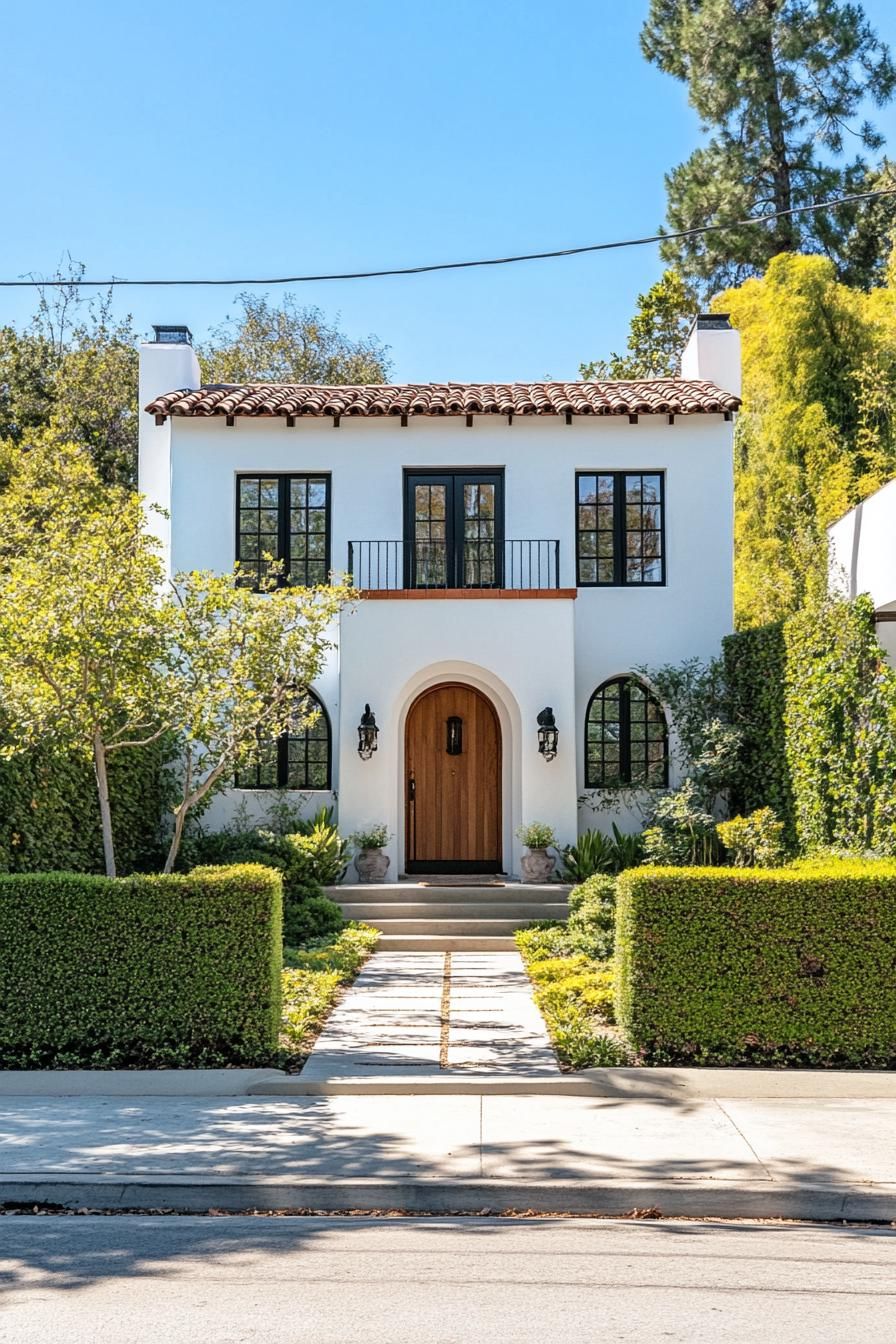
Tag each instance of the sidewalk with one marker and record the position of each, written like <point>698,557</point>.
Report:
<point>416,1015</point>
<point>638,1145</point>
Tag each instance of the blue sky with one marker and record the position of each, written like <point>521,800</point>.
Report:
<point>225,138</point>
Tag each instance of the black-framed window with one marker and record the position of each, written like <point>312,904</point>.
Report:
<point>620,528</point>
<point>626,737</point>
<point>287,517</point>
<point>454,529</point>
<point>294,760</point>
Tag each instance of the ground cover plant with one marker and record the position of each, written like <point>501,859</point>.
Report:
<point>571,969</point>
<point>785,966</point>
<point>140,972</point>
<point>313,978</point>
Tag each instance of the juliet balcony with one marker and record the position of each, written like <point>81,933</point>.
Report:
<point>476,568</point>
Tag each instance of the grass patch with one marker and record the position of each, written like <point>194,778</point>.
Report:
<point>313,978</point>
<point>574,992</point>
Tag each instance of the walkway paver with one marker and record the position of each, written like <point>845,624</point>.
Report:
<point>416,1013</point>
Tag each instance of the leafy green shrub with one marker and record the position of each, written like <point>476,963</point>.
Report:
<point>683,832</point>
<point>574,993</point>
<point>629,848</point>
<point>311,982</point>
<point>308,915</point>
<point>592,916</point>
<point>307,912</point>
<point>148,971</point>
<point>322,852</point>
<point>756,841</point>
<point>592,853</point>
<point>783,966</point>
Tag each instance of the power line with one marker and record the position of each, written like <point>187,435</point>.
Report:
<point>460,265</point>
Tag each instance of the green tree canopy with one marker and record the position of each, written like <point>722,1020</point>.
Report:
<point>817,432</point>
<point>657,333</point>
<point>776,83</point>
<point>287,343</point>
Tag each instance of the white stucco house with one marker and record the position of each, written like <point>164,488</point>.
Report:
<point>521,548</point>
<point>862,557</point>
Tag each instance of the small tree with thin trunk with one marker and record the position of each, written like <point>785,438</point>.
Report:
<point>83,649</point>
<point>241,665</point>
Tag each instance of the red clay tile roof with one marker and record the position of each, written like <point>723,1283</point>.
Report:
<point>657,396</point>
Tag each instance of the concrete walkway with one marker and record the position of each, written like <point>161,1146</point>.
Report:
<point>416,1014</point>
<point>822,1157</point>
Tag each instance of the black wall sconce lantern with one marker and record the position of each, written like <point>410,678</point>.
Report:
<point>548,734</point>
<point>455,727</point>
<point>367,734</point>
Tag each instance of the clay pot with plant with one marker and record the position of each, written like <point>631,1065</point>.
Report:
<point>370,861</point>
<point>537,865</point>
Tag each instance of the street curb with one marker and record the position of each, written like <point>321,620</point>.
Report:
<point>693,1199</point>
<point>135,1082</point>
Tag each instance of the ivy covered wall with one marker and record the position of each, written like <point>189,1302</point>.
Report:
<point>815,701</point>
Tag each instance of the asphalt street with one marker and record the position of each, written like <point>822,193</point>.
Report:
<point>239,1280</point>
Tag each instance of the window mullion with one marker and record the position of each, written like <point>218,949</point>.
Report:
<point>619,527</point>
<point>283,492</point>
<point>625,734</point>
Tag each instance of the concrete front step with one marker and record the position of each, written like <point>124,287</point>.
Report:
<point>404,893</point>
<point>376,912</point>
<point>448,928</point>
<point>433,942</point>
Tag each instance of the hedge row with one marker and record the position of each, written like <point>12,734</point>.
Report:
<point>774,966</point>
<point>49,814</point>
<point>142,971</point>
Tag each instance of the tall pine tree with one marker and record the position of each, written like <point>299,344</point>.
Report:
<point>777,84</point>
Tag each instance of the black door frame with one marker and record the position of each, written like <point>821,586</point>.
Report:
<point>454,480</point>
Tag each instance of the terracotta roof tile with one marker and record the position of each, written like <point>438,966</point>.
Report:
<point>657,396</point>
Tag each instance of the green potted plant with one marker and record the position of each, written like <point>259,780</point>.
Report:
<point>370,861</point>
<point>537,865</point>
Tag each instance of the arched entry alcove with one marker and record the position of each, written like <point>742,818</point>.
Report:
<point>453,782</point>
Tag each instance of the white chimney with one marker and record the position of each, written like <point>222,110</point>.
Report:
<point>712,352</point>
<point>167,364</point>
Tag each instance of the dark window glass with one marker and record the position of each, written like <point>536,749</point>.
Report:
<point>284,518</point>
<point>293,761</point>
<point>626,739</point>
<point>619,528</point>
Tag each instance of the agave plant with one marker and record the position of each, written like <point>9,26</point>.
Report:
<point>592,853</point>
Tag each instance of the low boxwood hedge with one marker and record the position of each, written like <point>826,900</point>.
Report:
<point>751,966</point>
<point>180,971</point>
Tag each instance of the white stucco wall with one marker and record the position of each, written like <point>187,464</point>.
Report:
<point>535,652</point>
<point>863,549</point>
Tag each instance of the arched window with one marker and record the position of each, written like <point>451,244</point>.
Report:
<point>626,739</point>
<point>294,760</point>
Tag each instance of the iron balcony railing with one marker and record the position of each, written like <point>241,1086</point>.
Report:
<point>396,565</point>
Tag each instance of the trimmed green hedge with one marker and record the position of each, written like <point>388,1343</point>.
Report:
<point>750,966</point>
<point>140,972</point>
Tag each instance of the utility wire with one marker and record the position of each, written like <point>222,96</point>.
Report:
<point>461,265</point>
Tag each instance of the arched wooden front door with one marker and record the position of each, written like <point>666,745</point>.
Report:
<point>453,783</point>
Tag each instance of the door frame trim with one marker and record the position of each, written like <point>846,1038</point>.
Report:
<point>452,866</point>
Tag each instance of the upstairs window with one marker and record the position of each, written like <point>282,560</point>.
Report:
<point>626,738</point>
<point>287,517</point>
<point>293,760</point>
<point>619,528</point>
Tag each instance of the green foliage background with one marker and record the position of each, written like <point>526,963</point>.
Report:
<point>739,966</point>
<point>142,971</point>
<point>815,702</point>
<point>49,814</point>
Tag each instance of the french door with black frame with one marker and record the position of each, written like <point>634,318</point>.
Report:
<point>454,529</point>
